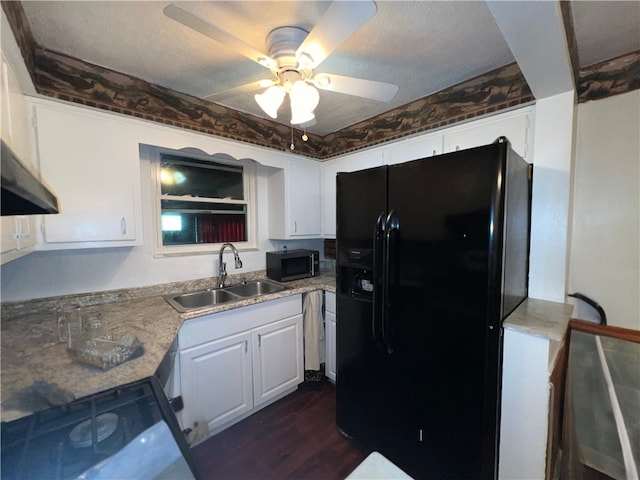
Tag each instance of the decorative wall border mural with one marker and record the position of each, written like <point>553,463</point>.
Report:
<point>67,78</point>
<point>60,76</point>
<point>611,77</point>
<point>496,90</point>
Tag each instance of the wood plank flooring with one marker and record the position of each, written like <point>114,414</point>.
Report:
<point>295,438</point>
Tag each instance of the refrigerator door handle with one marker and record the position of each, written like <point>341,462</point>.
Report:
<point>378,240</point>
<point>392,228</point>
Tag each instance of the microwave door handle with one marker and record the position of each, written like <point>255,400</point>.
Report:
<point>313,265</point>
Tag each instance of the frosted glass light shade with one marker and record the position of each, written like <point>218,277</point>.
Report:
<point>304,97</point>
<point>302,116</point>
<point>270,100</point>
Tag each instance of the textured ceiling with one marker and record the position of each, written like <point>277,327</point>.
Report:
<point>420,46</point>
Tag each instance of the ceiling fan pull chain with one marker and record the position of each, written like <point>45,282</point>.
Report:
<point>292,146</point>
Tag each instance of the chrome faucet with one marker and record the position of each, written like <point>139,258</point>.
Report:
<point>222,266</point>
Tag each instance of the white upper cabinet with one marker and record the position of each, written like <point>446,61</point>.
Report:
<point>516,125</point>
<point>91,160</point>
<point>513,125</point>
<point>16,132</point>
<point>294,200</point>
<point>18,232</point>
<point>414,149</point>
<point>350,163</point>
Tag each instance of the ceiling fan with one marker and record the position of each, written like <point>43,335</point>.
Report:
<point>293,55</point>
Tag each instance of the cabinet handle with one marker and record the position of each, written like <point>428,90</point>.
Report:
<point>17,226</point>
<point>123,226</point>
<point>25,221</point>
<point>259,340</point>
<point>295,226</point>
<point>433,154</point>
<point>457,147</point>
<point>246,346</point>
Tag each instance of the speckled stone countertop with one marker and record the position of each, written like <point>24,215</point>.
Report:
<point>32,353</point>
<point>544,319</point>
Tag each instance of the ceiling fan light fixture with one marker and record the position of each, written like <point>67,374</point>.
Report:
<point>305,60</point>
<point>304,97</point>
<point>322,81</point>
<point>267,62</point>
<point>270,100</point>
<point>301,116</point>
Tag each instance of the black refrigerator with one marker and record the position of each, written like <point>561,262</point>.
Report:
<point>432,255</point>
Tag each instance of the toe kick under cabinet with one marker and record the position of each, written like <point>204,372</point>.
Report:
<point>233,363</point>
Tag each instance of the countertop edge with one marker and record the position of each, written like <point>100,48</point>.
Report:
<point>32,353</point>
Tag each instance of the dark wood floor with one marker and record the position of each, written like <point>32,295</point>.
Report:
<point>294,438</point>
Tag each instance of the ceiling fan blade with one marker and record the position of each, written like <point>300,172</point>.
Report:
<point>205,28</point>
<point>246,88</point>
<point>340,21</point>
<point>359,87</point>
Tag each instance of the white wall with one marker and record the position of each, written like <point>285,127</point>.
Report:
<point>60,272</point>
<point>605,238</point>
<point>553,153</point>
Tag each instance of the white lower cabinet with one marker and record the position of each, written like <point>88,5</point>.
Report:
<point>18,237</point>
<point>217,381</point>
<point>330,335</point>
<point>236,362</point>
<point>276,350</point>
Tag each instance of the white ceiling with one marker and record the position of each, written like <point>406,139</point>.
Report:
<point>421,46</point>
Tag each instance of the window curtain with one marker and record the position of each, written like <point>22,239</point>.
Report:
<point>221,228</point>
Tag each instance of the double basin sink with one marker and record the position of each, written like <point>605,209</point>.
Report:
<point>186,302</point>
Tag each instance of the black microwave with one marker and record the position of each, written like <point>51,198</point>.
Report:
<point>287,265</point>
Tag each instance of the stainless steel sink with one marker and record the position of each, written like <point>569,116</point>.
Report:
<point>251,289</point>
<point>185,302</point>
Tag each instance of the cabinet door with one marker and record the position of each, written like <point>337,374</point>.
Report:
<point>350,163</point>
<point>92,163</point>
<point>330,345</point>
<point>304,198</point>
<point>414,148</point>
<point>514,126</point>
<point>14,122</point>
<point>18,237</point>
<point>330,335</point>
<point>277,358</point>
<point>216,381</point>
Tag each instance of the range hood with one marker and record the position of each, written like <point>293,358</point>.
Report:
<point>22,192</point>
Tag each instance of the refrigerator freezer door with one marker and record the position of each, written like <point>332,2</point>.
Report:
<point>439,312</point>
<point>420,383</point>
<point>361,201</point>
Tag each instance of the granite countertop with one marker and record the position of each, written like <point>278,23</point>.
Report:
<point>544,319</point>
<point>32,353</point>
